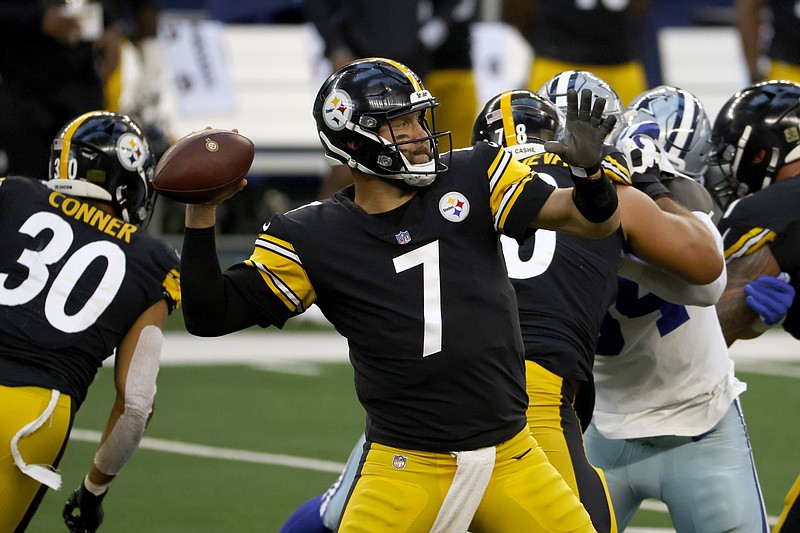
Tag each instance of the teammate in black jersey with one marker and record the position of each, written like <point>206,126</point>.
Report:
<point>565,283</point>
<point>407,265</point>
<point>756,159</point>
<point>79,280</point>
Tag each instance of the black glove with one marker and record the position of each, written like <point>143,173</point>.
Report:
<point>90,511</point>
<point>586,129</point>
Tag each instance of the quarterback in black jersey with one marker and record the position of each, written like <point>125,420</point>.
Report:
<point>79,280</point>
<point>407,265</point>
<point>756,159</point>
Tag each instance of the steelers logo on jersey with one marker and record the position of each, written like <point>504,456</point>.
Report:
<point>130,151</point>
<point>454,206</point>
<point>337,110</point>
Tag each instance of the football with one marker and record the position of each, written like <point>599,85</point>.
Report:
<point>203,166</point>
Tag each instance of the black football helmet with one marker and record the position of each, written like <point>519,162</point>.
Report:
<point>684,128</point>
<point>356,100</point>
<point>520,120</point>
<point>764,116</point>
<point>555,90</point>
<point>106,156</point>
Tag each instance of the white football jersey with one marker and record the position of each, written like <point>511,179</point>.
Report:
<point>662,368</point>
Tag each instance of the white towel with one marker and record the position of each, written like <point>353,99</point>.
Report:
<point>474,471</point>
<point>42,474</point>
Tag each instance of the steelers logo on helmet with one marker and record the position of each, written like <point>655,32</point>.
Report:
<point>337,110</point>
<point>454,206</point>
<point>130,151</point>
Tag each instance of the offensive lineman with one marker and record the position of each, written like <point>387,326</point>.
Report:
<point>756,158</point>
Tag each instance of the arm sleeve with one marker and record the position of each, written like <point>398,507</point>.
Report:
<point>213,304</point>
<point>669,287</point>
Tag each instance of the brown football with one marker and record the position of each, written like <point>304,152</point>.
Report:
<point>203,165</point>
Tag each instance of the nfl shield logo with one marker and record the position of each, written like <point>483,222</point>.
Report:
<point>403,237</point>
<point>399,462</point>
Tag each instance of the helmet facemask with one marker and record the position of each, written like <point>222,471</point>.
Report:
<point>390,156</point>
<point>755,133</point>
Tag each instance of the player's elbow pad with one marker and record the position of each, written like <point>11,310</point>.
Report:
<point>596,199</point>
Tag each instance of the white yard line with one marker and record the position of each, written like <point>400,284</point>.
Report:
<point>274,348</point>
<point>289,461</point>
<point>213,452</point>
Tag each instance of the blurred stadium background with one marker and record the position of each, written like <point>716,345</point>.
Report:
<point>225,67</point>
<point>250,425</point>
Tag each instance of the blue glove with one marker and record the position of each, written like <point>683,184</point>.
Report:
<point>770,297</point>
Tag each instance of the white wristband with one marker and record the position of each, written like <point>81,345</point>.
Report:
<point>580,172</point>
<point>94,488</point>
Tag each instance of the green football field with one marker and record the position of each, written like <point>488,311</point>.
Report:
<point>237,447</point>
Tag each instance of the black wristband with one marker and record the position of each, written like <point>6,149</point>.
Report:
<point>581,172</point>
<point>596,199</point>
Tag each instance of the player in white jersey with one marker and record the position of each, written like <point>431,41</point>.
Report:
<point>667,422</point>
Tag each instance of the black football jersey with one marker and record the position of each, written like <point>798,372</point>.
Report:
<point>785,44</point>
<point>421,294</point>
<point>554,33</point>
<point>73,280</point>
<point>565,283</point>
<point>769,217</point>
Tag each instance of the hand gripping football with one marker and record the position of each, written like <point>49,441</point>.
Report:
<point>203,166</point>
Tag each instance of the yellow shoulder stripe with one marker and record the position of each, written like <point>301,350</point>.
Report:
<point>750,242</point>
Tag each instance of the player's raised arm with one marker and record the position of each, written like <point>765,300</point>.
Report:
<point>590,208</point>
